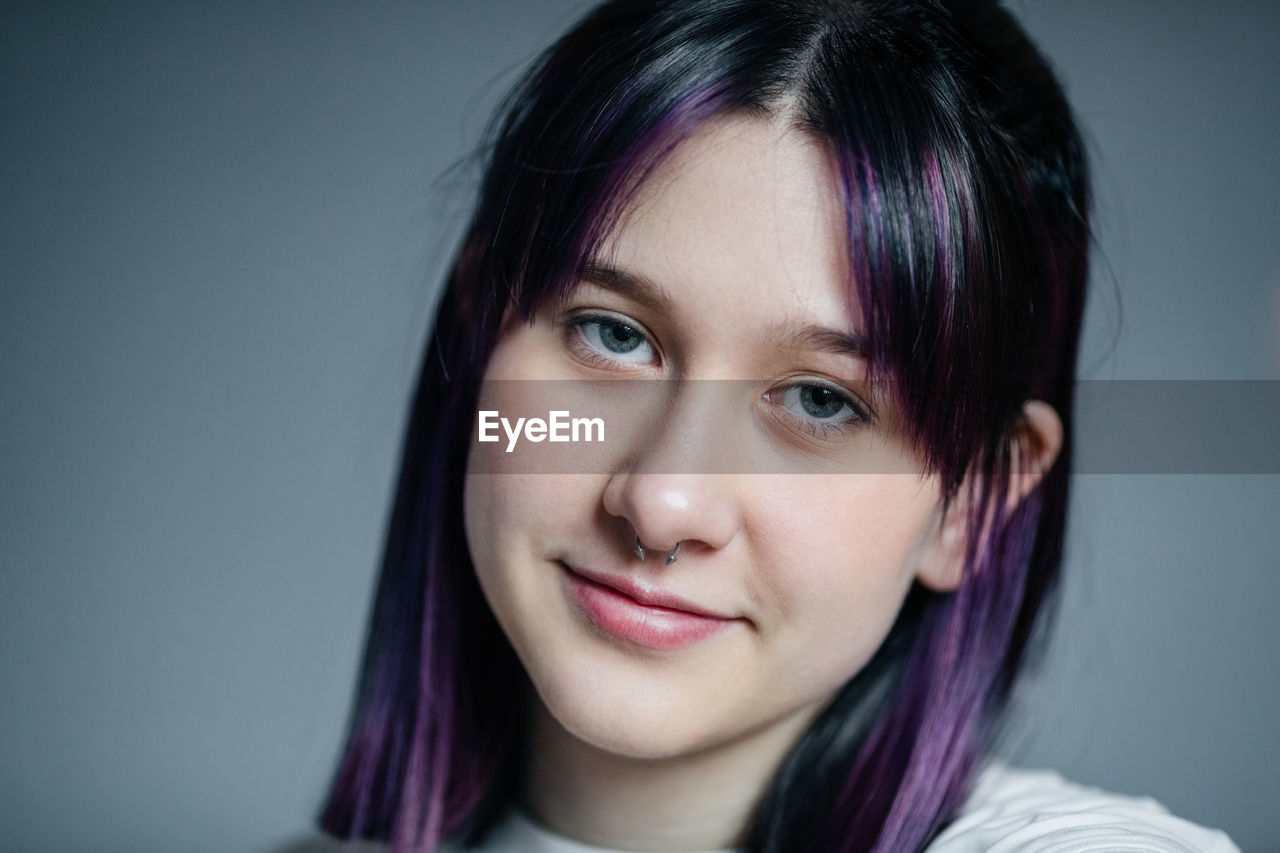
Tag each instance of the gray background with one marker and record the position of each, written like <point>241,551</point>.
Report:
<point>220,234</point>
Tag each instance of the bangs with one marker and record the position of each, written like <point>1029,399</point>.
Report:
<point>932,232</point>
<point>928,223</point>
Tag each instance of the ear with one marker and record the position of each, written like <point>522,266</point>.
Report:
<point>1037,440</point>
<point>1035,443</point>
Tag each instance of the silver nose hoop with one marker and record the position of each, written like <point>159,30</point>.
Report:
<point>671,555</point>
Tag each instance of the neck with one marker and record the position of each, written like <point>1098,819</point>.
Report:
<point>697,801</point>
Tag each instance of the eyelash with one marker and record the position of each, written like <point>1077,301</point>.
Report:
<point>820,428</point>
<point>581,346</point>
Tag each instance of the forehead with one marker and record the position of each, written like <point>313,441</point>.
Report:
<point>743,218</point>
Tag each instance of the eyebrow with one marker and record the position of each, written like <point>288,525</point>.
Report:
<point>629,284</point>
<point>823,339</point>
<point>791,334</point>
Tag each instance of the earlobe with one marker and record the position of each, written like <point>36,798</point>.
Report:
<point>942,567</point>
<point>1034,446</point>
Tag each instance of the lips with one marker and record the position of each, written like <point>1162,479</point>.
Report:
<point>647,617</point>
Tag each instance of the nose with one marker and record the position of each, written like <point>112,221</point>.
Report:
<point>661,492</point>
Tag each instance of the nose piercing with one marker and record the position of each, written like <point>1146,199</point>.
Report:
<point>671,555</point>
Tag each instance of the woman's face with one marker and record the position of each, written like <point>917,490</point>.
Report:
<point>729,264</point>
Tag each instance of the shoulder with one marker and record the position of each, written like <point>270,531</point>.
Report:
<point>1038,810</point>
<point>320,843</point>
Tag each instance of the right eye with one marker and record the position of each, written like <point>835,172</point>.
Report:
<point>610,339</point>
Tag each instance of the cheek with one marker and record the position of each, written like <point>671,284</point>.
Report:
<point>499,501</point>
<point>505,517</point>
<point>485,507</point>
<point>513,524</point>
<point>839,556</point>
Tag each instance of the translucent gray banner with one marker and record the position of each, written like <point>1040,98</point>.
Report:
<point>806,425</point>
<point>1177,427</point>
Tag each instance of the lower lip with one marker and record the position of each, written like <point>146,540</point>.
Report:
<point>658,628</point>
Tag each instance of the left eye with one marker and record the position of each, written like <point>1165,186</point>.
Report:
<point>615,340</point>
<point>819,405</point>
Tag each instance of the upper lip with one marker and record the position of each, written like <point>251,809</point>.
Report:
<point>645,594</point>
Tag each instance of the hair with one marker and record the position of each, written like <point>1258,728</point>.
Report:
<point>964,183</point>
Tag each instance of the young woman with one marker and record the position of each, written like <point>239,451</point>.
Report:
<point>817,269</point>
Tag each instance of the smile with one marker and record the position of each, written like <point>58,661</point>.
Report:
<point>664,627</point>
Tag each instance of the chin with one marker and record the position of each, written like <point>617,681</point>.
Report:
<point>627,715</point>
<point>647,739</point>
